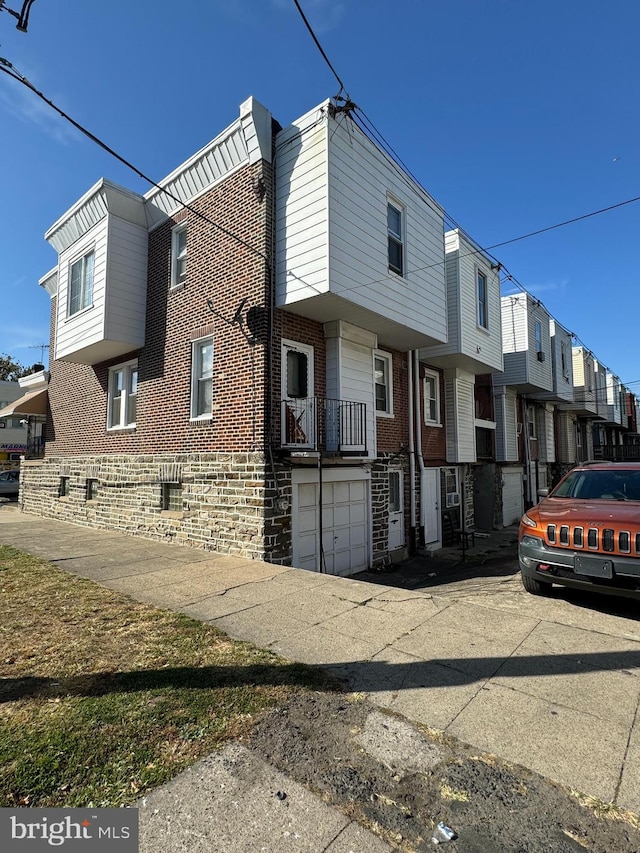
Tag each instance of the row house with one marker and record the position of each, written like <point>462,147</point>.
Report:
<point>556,406</point>
<point>278,353</point>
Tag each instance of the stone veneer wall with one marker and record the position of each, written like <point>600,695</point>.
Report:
<point>224,498</point>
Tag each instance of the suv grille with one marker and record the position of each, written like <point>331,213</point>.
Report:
<point>597,539</point>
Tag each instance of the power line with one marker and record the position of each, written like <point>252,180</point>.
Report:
<point>11,71</point>
<point>321,49</point>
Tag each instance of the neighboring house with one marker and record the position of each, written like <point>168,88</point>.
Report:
<point>585,402</point>
<point>524,432</point>
<point>459,414</point>
<point>23,408</point>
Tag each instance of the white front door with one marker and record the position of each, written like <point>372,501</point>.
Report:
<point>396,511</point>
<point>430,505</point>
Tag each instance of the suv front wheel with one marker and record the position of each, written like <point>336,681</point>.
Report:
<point>535,587</point>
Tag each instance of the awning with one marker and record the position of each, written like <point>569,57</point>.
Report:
<point>32,403</point>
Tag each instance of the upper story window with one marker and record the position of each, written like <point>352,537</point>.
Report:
<point>483,313</point>
<point>431,398</point>
<point>202,378</point>
<point>123,396</point>
<point>395,238</point>
<point>383,382</point>
<point>178,256</point>
<point>563,360</point>
<point>538,335</point>
<point>81,283</point>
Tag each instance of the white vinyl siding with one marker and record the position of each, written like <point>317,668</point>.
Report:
<point>460,416</point>
<point>350,376</point>
<point>114,323</point>
<point>332,190</point>
<point>545,433</point>
<point>522,366</point>
<point>468,346</point>
<point>505,400</point>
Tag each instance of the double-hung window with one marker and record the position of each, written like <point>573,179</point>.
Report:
<point>202,378</point>
<point>538,335</point>
<point>483,320</point>
<point>383,383</point>
<point>395,238</point>
<point>431,398</point>
<point>178,256</point>
<point>564,360</point>
<point>123,396</point>
<point>81,283</point>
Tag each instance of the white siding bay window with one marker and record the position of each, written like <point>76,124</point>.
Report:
<point>202,379</point>
<point>81,283</point>
<point>123,396</point>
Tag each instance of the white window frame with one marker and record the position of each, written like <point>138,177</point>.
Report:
<point>177,256</point>
<point>199,375</point>
<point>86,292</point>
<point>564,361</point>
<point>431,375</point>
<point>387,359</point>
<point>124,421</point>
<point>537,334</point>
<point>398,238</point>
<point>484,303</point>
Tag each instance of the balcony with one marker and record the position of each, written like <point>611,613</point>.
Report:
<point>323,425</point>
<point>617,452</point>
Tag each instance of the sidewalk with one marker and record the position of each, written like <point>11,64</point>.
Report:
<point>546,683</point>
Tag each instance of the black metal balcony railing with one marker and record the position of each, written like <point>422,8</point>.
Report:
<point>35,447</point>
<point>617,452</point>
<point>317,423</point>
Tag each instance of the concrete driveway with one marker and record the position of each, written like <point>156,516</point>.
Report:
<point>552,684</point>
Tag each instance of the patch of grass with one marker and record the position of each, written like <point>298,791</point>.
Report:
<point>607,811</point>
<point>449,793</point>
<point>102,698</point>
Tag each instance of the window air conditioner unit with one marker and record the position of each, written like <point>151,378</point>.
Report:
<point>453,499</point>
<point>540,355</point>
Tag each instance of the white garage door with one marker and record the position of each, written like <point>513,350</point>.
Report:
<point>512,500</point>
<point>345,536</point>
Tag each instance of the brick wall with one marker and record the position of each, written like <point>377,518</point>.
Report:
<point>221,269</point>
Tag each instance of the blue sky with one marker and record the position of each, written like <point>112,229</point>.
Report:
<point>514,115</point>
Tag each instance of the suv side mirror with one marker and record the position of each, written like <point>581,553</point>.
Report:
<point>542,493</point>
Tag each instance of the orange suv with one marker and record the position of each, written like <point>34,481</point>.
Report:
<point>585,533</point>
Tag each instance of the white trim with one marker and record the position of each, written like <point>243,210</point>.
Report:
<point>176,231</point>
<point>431,374</point>
<point>401,238</point>
<point>127,368</point>
<point>387,358</point>
<point>207,416</point>
<point>483,273</point>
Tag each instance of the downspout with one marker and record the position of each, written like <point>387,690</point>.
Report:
<point>527,450</point>
<point>416,391</point>
<point>412,457</point>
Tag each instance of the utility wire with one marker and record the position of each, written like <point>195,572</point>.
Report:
<point>10,69</point>
<point>320,48</point>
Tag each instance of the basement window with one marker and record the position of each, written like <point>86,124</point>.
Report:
<point>92,489</point>
<point>64,487</point>
<point>172,497</point>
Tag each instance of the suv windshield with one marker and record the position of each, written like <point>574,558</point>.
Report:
<point>600,485</point>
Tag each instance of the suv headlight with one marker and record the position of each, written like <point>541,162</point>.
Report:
<point>528,521</point>
<point>532,541</point>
